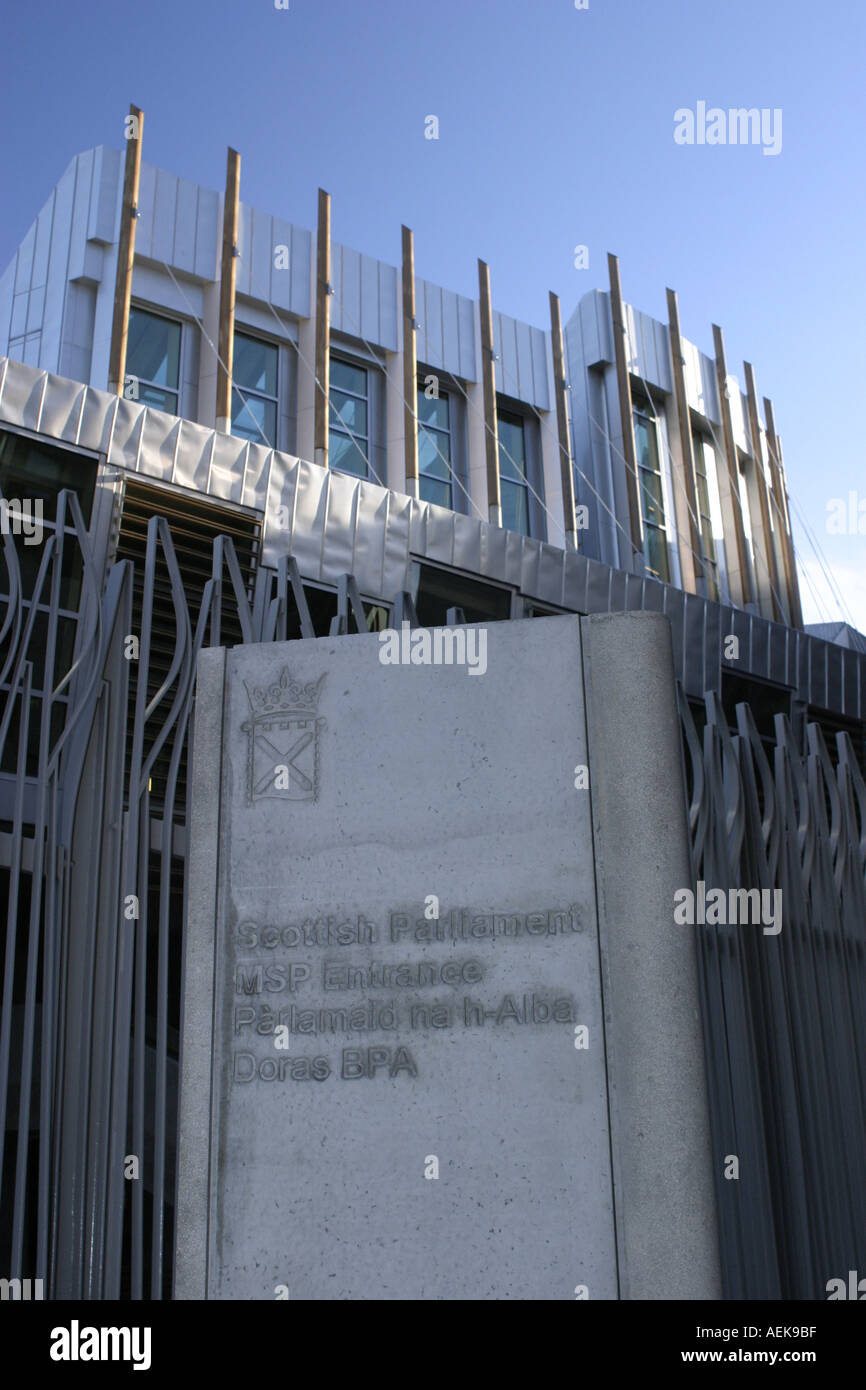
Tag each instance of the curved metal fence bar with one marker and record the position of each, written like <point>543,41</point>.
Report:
<point>784,997</point>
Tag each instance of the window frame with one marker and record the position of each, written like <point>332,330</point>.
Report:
<point>157,312</point>
<point>341,351</point>
<point>533,472</point>
<point>648,410</point>
<point>244,332</point>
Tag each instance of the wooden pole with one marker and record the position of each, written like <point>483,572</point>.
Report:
<point>792,583</point>
<point>623,384</point>
<point>125,252</point>
<point>323,327</point>
<point>228,279</point>
<point>559,388</point>
<point>729,488</point>
<point>488,382</point>
<point>685,499</point>
<point>763,499</point>
<point>410,366</point>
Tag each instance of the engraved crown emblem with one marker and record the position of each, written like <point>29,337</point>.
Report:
<point>285,696</point>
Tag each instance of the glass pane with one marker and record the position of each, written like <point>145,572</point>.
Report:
<point>159,400</point>
<point>651,497</point>
<point>515,507</point>
<point>434,454</point>
<point>348,378</point>
<point>345,455</point>
<point>254,418</point>
<point>349,414</point>
<point>34,471</point>
<point>433,490</point>
<point>434,412</point>
<point>255,365</point>
<point>656,553</point>
<point>646,442</point>
<point>153,349</point>
<point>512,452</point>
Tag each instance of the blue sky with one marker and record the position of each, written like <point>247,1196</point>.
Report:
<point>555,128</point>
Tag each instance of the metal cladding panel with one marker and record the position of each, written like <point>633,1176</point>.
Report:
<point>446,332</point>
<point>430,309</point>
<point>521,371</point>
<point>208,225</point>
<point>24,260</point>
<point>164,217</point>
<point>674,608</point>
<point>337,524</point>
<point>262,256</point>
<point>183,248</point>
<point>364,304</point>
<point>79,217</point>
<point>104,195</point>
<point>227,467</point>
<point>58,263</point>
<point>18,322</point>
<point>396,556</point>
<point>648,349</point>
<point>739,414</point>
<point>146,211</point>
<point>851,683</point>
<point>835,683</point>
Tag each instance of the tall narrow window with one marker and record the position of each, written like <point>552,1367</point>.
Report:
<point>702,494</point>
<point>651,496</point>
<point>254,390</point>
<point>513,482</point>
<point>349,429</point>
<point>153,359</point>
<point>435,466</point>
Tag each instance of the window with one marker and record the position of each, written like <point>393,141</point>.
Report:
<point>513,481</point>
<point>702,497</point>
<point>650,490</point>
<point>153,358</point>
<point>254,390</point>
<point>435,458</point>
<point>349,428</point>
<point>435,590</point>
<point>35,473</point>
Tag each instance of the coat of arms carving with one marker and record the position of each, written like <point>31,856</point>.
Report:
<point>283,732</point>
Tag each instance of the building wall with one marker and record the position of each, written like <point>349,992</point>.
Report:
<point>56,303</point>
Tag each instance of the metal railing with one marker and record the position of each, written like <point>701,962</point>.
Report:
<point>93,860</point>
<point>784,1011</point>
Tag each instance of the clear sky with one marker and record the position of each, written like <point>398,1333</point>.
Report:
<point>555,129</point>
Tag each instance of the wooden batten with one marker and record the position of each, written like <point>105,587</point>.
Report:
<point>623,385</point>
<point>768,547</point>
<point>560,387</point>
<point>323,327</point>
<point>488,383</point>
<point>125,253</point>
<point>774,448</point>
<point>410,366</point>
<point>685,499</point>
<point>228,280</point>
<point>737,564</point>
